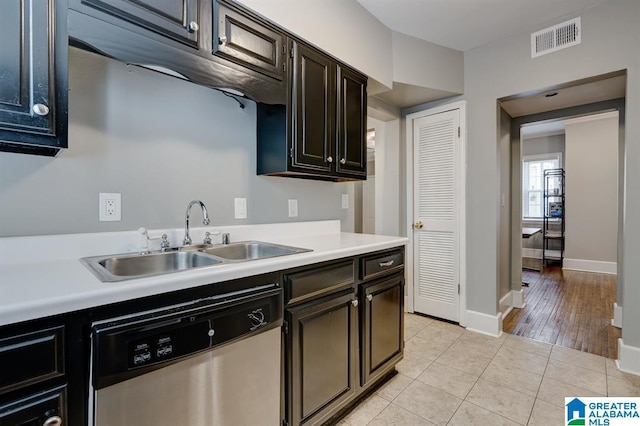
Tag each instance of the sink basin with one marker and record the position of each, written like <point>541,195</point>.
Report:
<point>119,267</point>
<point>128,266</point>
<point>251,250</point>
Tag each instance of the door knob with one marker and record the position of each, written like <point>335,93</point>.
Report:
<point>343,161</point>
<point>354,302</point>
<point>417,225</point>
<point>369,297</point>
<point>329,159</point>
<point>193,26</point>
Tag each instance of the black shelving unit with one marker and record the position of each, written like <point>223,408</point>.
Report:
<point>554,217</point>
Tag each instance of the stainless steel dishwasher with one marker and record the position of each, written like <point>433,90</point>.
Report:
<point>210,362</point>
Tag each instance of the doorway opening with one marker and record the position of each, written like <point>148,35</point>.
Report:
<point>570,299</point>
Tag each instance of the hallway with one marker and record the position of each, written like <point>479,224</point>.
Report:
<point>568,308</point>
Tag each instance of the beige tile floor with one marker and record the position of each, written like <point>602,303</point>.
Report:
<point>450,376</point>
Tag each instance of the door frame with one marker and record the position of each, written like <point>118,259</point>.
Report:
<point>461,187</point>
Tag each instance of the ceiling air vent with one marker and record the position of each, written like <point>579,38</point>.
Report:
<point>554,38</point>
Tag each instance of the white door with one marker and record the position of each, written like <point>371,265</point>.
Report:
<point>436,231</point>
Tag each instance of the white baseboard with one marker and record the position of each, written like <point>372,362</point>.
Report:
<point>628,358</point>
<point>517,297</point>
<point>617,316</point>
<point>590,266</point>
<point>485,323</point>
<point>532,253</point>
<point>506,304</point>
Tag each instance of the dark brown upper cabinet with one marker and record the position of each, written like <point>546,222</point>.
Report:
<point>218,44</point>
<point>320,133</point>
<point>33,85</point>
<point>242,39</point>
<point>175,19</point>
<point>351,121</point>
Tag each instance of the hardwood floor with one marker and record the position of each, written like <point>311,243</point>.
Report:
<point>567,308</point>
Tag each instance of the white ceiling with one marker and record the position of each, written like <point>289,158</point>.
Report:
<point>465,24</point>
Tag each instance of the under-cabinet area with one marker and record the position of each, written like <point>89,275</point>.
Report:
<point>300,342</point>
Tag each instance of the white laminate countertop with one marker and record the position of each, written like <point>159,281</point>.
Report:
<point>43,276</point>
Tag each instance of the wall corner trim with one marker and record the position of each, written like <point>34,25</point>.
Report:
<point>628,358</point>
<point>616,321</point>
<point>518,298</point>
<point>479,322</point>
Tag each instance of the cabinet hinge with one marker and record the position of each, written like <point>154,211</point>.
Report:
<point>285,423</point>
<point>458,288</point>
<point>291,52</point>
<point>291,152</point>
<point>285,327</point>
<point>458,131</point>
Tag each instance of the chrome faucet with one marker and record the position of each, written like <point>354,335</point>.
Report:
<point>205,220</point>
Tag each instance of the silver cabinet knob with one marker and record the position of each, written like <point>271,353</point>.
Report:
<point>52,421</point>
<point>354,302</point>
<point>329,159</point>
<point>41,109</point>
<point>193,26</point>
<point>343,161</point>
<point>369,297</point>
<point>222,39</point>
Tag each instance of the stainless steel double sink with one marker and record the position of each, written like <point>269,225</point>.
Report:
<point>120,267</point>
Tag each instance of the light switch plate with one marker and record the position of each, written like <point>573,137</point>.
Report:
<point>293,208</point>
<point>240,208</point>
<point>110,207</point>
<point>345,201</point>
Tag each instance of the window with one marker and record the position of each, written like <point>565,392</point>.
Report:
<point>533,167</point>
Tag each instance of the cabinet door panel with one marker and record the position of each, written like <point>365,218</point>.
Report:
<point>27,70</point>
<point>351,121</point>
<point>323,364</point>
<point>383,326</point>
<point>170,18</point>
<point>245,41</point>
<point>314,108</point>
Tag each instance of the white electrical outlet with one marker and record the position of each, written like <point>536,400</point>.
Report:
<point>293,208</point>
<point>240,205</point>
<point>110,205</point>
<point>345,201</point>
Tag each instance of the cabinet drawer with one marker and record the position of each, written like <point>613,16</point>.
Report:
<point>381,263</point>
<point>304,285</point>
<point>31,358</point>
<point>40,409</point>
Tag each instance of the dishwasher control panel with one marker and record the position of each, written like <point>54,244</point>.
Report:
<point>167,344</point>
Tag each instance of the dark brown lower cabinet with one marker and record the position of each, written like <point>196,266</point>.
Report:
<point>322,367</point>
<point>45,408</point>
<point>381,335</point>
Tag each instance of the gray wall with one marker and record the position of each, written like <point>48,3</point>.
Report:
<point>504,240</point>
<point>505,68</point>
<point>160,142</point>
<point>543,145</point>
<point>591,168</point>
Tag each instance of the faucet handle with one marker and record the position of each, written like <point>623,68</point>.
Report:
<point>164,245</point>
<point>207,238</point>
